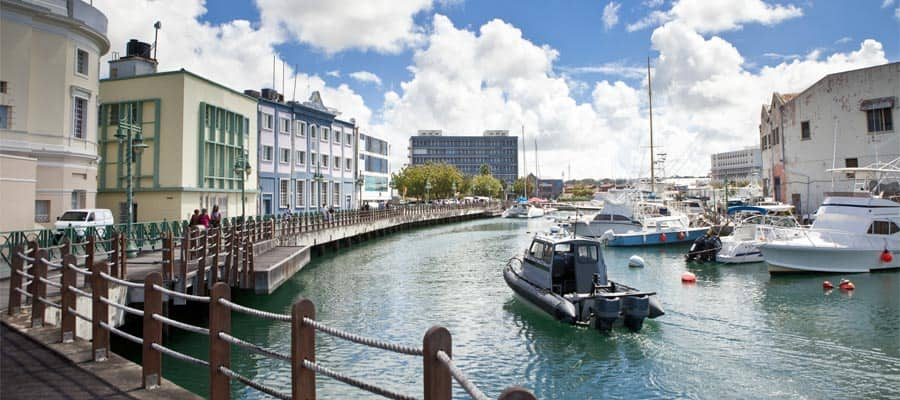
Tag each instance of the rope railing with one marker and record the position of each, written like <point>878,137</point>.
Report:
<point>355,382</point>
<point>202,299</point>
<point>247,381</point>
<point>254,347</point>
<point>51,283</point>
<point>121,281</point>
<point>22,292</point>
<point>122,334</point>
<point>461,377</point>
<point>82,271</point>
<point>178,356</point>
<point>24,274</point>
<point>384,345</point>
<point>255,312</point>
<point>79,315</point>
<point>48,302</point>
<point>130,310</point>
<point>181,325</point>
<point>80,292</point>
<point>24,257</point>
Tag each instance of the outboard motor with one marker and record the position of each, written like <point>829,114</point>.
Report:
<point>635,309</point>
<point>606,312</point>
<point>696,249</point>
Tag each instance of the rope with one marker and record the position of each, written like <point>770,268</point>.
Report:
<point>51,263</point>
<point>178,356</point>
<point>26,294</point>
<point>49,303</point>
<point>181,325</point>
<point>51,283</point>
<point>80,292</point>
<point>122,307</point>
<point>84,271</point>
<point>79,315</point>
<point>254,347</point>
<point>355,382</point>
<point>26,267</point>
<point>397,348</point>
<point>461,377</point>
<point>120,281</point>
<point>57,276</point>
<point>29,250</point>
<point>260,387</point>
<point>204,299</point>
<point>24,257</point>
<point>25,274</point>
<point>130,337</point>
<point>255,312</point>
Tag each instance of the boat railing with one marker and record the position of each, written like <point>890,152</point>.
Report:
<point>824,238</point>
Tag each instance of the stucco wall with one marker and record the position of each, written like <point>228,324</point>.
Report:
<point>18,177</point>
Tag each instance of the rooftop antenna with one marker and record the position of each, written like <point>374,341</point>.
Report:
<point>294,95</point>
<point>157,26</point>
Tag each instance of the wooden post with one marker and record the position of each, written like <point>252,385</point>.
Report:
<point>123,260</point>
<point>438,382</point>
<point>219,350</point>
<point>38,288</point>
<point>15,280</point>
<point>226,269</point>
<point>185,257</point>
<point>90,250</point>
<point>214,268</point>
<point>203,250</point>
<point>303,347</point>
<point>248,274</point>
<point>114,258</point>
<point>66,248</point>
<point>151,360</point>
<point>99,336</point>
<point>516,393</point>
<point>69,299</point>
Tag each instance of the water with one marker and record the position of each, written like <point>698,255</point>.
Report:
<point>736,333</point>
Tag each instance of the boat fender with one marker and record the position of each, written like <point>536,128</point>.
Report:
<point>846,285</point>
<point>635,309</point>
<point>606,312</point>
<point>886,256</point>
<point>636,262</point>
<point>681,235</point>
<point>688,277</point>
<point>662,237</point>
<point>827,285</point>
<point>606,236</point>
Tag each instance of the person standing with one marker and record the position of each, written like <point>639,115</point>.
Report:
<point>204,219</point>
<point>195,218</point>
<point>215,219</point>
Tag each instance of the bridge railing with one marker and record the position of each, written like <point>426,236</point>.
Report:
<point>31,263</point>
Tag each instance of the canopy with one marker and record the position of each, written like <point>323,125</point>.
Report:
<point>732,210</point>
<point>536,200</point>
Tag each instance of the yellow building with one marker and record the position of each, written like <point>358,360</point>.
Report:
<point>49,81</point>
<point>195,130</point>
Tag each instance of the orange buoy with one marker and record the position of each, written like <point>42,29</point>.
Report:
<point>688,277</point>
<point>886,256</point>
<point>681,235</point>
<point>827,285</point>
<point>662,237</point>
<point>847,285</point>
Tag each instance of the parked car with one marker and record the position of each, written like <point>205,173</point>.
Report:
<point>81,219</point>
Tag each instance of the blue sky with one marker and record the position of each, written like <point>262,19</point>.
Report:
<point>572,73</point>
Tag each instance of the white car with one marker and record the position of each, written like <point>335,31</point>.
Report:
<point>80,219</point>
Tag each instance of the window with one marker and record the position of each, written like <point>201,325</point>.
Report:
<point>537,250</point>
<point>284,193</point>
<point>5,112</point>
<point>4,87</point>
<point>851,163</point>
<point>268,120</point>
<point>79,198</point>
<point>79,117</point>
<point>301,157</point>
<point>586,254</point>
<point>804,130</point>
<point>312,131</point>
<point>325,134</point>
<point>301,185</point>
<point>301,128</point>
<point>42,211</point>
<point>880,120</point>
<point>883,228</point>
<point>267,153</point>
<point>325,160</point>
<point>349,164</point>
<point>285,125</point>
<point>285,156</point>
<point>349,139</point>
<point>323,194</point>
<point>337,137</point>
<point>81,62</point>
<point>312,158</point>
<point>337,194</point>
<point>337,162</point>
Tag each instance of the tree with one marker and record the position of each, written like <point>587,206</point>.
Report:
<point>582,191</point>
<point>519,184</point>
<point>484,169</point>
<point>412,180</point>
<point>486,185</point>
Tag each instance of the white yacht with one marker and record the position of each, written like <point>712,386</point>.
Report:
<point>523,210</point>
<point>742,246</point>
<point>852,232</point>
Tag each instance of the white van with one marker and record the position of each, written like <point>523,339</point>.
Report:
<point>80,219</point>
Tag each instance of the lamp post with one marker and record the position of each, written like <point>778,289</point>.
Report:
<point>427,191</point>
<point>130,135</point>
<point>359,186</point>
<point>242,168</point>
<point>318,178</point>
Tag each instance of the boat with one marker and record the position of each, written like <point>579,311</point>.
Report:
<point>566,278</point>
<point>523,210</point>
<point>672,229</point>
<point>742,246</point>
<point>617,215</point>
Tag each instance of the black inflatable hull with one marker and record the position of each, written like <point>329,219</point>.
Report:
<point>549,302</point>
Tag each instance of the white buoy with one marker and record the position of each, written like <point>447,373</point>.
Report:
<point>636,262</point>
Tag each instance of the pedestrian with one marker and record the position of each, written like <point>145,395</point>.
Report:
<point>195,218</point>
<point>204,219</point>
<point>215,219</point>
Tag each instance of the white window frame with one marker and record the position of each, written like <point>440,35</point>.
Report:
<point>300,199</point>
<point>281,152</point>
<point>301,157</point>
<point>84,122</point>
<point>313,131</point>
<point>324,133</point>
<point>284,194</point>
<point>349,141</point>
<point>312,158</point>
<point>285,126</point>
<point>87,62</point>
<point>348,165</point>
<point>336,194</point>
<point>268,121</point>
<point>267,153</point>
<point>337,163</point>
<point>336,135</point>
<point>301,128</point>
<point>325,160</point>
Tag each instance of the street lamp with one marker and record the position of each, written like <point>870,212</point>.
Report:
<point>427,190</point>
<point>359,186</point>
<point>318,177</point>
<point>242,168</point>
<point>130,135</point>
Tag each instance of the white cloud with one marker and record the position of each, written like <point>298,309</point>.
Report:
<point>366,76</point>
<point>897,13</point>
<point>617,68</point>
<point>887,3</point>
<point>384,26</point>
<point>653,3</point>
<point>334,73</point>
<point>234,53</point>
<point>779,56</point>
<point>718,16</point>
<point>611,15</point>
<point>845,39</point>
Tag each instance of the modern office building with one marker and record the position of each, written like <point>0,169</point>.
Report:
<point>843,120</point>
<point>467,153</point>
<point>550,188</point>
<point>374,170</point>
<point>49,84</point>
<point>196,132</point>
<point>307,156</point>
<point>743,165</point>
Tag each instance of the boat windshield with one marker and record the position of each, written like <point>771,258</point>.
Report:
<point>587,253</point>
<point>562,248</point>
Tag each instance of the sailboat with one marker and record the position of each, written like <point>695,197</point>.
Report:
<point>523,209</point>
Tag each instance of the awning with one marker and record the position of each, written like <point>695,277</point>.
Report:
<point>874,104</point>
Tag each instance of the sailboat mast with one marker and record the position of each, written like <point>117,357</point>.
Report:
<point>524,166</point>
<point>650,101</point>
<point>535,169</point>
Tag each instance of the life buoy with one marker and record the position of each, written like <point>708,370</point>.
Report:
<point>886,256</point>
<point>688,277</point>
<point>681,235</point>
<point>662,237</point>
<point>847,285</point>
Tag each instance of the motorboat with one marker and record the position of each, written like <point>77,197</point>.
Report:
<point>742,246</point>
<point>566,278</point>
<point>617,214</point>
<point>661,230</point>
<point>852,232</point>
<point>523,210</point>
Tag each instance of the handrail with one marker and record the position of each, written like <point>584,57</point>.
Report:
<point>355,382</point>
<point>181,325</point>
<point>380,344</point>
<point>202,299</point>
<point>461,377</point>
<point>247,381</point>
<point>255,312</point>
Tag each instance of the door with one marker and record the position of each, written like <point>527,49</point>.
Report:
<point>267,206</point>
<point>777,188</point>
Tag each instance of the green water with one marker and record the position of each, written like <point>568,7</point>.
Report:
<point>736,333</point>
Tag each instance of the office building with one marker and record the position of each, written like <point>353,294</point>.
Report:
<point>742,165</point>
<point>467,153</point>
<point>374,170</point>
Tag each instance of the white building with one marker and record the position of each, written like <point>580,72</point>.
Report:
<point>49,84</point>
<point>843,120</point>
<point>374,169</point>
<point>735,166</point>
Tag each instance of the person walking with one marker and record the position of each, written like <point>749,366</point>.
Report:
<point>215,219</point>
<point>195,218</point>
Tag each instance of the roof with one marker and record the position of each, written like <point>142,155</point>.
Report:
<point>185,72</point>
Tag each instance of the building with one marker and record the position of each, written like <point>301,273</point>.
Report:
<point>736,166</point>
<point>196,131</point>
<point>49,84</point>
<point>374,169</point>
<point>843,120</point>
<point>467,153</point>
<point>549,188</point>
<point>307,157</point>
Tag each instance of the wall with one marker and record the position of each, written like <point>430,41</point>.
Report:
<point>17,191</point>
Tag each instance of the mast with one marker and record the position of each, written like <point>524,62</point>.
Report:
<point>524,167</point>
<point>535,169</point>
<point>650,98</point>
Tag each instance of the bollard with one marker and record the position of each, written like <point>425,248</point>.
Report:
<point>219,350</point>
<point>69,300</point>
<point>151,360</point>
<point>438,380</point>
<point>303,347</point>
<point>15,280</point>
<point>38,288</point>
<point>99,336</point>
<point>516,393</point>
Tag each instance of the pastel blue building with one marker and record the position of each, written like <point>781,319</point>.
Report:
<point>307,155</point>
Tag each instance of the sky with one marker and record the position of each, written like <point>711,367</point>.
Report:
<point>571,75</point>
